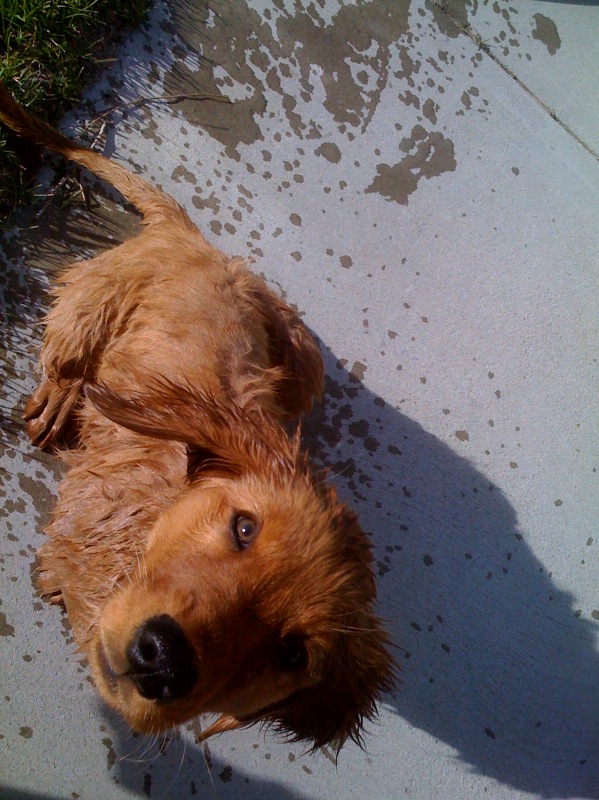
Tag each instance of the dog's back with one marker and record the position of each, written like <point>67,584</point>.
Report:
<point>175,301</point>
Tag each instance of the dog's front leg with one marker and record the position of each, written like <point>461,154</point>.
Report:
<point>92,302</point>
<point>48,410</point>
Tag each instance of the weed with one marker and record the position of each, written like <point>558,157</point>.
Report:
<point>47,50</point>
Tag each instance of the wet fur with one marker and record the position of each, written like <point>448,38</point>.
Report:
<point>174,369</point>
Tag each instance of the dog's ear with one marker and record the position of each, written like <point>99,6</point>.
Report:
<point>292,349</point>
<point>337,708</point>
<point>355,664</point>
<point>219,437</point>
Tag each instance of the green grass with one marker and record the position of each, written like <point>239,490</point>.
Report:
<point>48,48</point>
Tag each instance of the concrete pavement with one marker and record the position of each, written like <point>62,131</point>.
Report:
<point>421,180</point>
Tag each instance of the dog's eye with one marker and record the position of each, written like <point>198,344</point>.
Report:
<point>244,530</point>
<point>294,655</point>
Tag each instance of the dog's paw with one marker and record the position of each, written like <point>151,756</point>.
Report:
<point>47,580</point>
<point>47,588</point>
<point>48,409</point>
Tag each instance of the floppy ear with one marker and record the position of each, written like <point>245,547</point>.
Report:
<point>218,436</point>
<point>291,347</point>
<point>337,708</point>
<point>357,667</point>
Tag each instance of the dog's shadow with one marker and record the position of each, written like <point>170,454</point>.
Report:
<point>496,662</point>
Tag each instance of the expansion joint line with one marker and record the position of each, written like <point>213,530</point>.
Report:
<point>487,49</point>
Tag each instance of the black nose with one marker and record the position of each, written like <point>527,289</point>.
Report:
<point>161,660</point>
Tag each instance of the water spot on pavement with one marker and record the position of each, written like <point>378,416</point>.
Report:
<point>329,151</point>
<point>428,155</point>
<point>546,32</point>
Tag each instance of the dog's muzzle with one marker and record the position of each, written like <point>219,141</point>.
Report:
<point>161,660</point>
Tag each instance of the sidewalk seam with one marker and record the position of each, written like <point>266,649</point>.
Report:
<point>476,38</point>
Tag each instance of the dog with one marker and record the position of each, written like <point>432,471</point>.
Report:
<point>204,565</point>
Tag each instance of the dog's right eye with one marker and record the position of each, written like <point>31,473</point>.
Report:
<point>244,529</point>
<point>294,655</point>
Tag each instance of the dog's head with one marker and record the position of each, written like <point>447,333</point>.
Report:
<point>254,597</point>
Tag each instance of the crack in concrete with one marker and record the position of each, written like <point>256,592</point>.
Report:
<point>467,29</point>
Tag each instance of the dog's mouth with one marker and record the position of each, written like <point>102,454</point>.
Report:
<point>106,669</point>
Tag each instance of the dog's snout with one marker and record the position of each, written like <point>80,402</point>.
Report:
<point>161,660</point>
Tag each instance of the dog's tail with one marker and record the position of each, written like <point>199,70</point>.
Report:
<point>150,201</point>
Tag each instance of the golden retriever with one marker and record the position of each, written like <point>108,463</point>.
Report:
<point>204,566</point>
